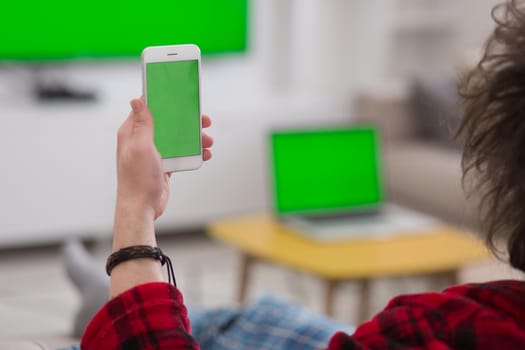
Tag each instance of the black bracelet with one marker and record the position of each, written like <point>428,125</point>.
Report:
<point>140,252</point>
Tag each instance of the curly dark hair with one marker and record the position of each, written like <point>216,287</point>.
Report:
<point>492,133</point>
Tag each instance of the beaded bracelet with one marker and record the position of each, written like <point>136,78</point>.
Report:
<point>140,252</point>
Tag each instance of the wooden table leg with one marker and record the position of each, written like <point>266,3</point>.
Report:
<point>363,310</point>
<point>452,277</point>
<point>246,265</point>
<point>331,286</point>
<point>445,278</point>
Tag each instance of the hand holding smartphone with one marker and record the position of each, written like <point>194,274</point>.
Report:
<point>171,89</point>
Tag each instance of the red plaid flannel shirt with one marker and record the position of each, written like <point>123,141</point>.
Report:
<point>150,316</point>
<point>475,316</point>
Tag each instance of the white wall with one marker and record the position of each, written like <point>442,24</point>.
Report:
<point>433,38</point>
<point>475,21</point>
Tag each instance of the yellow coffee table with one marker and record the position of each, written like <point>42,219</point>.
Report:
<point>442,250</point>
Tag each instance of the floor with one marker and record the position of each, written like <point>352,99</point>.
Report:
<point>38,302</point>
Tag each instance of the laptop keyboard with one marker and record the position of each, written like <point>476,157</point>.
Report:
<point>319,218</point>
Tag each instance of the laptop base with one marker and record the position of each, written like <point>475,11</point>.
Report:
<point>391,220</point>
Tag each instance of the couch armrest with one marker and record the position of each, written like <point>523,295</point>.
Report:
<point>388,108</point>
<point>427,177</point>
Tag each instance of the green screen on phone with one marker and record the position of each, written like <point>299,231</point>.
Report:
<point>173,98</point>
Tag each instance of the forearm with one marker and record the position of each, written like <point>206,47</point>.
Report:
<point>133,226</point>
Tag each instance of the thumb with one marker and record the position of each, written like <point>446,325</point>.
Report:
<point>142,121</point>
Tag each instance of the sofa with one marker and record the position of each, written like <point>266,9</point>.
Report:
<point>422,166</point>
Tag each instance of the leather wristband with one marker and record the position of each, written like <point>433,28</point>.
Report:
<point>140,252</point>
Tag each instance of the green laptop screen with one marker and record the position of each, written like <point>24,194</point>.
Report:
<point>325,170</point>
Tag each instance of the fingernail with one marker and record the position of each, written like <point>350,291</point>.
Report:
<point>136,106</point>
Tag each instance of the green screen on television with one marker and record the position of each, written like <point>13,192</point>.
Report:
<point>65,29</point>
<point>325,170</point>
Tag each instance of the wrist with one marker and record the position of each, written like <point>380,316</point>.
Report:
<point>134,225</point>
<point>132,273</point>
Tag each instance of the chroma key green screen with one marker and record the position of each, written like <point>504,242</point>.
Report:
<point>173,98</point>
<point>37,30</point>
<point>325,170</point>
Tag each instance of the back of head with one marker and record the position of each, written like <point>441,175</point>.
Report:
<point>492,132</point>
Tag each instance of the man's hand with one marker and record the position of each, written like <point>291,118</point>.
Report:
<point>142,184</point>
<point>142,195</point>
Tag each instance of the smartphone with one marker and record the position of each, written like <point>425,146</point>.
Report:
<point>171,89</point>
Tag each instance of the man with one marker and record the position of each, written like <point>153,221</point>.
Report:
<point>146,313</point>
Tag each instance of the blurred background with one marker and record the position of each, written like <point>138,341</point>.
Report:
<point>68,71</point>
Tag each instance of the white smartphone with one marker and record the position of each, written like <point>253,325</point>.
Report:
<point>171,89</point>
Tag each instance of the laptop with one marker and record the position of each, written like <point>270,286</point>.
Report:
<point>328,184</point>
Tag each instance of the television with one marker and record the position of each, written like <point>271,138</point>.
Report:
<point>60,30</point>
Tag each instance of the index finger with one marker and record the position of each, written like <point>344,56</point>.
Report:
<point>206,121</point>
